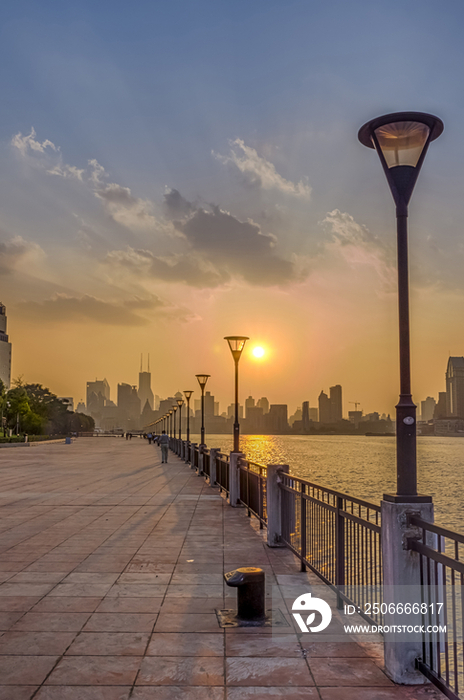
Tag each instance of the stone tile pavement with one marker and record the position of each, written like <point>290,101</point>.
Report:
<point>111,568</point>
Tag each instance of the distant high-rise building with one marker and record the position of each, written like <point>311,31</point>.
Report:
<point>428,408</point>
<point>313,414</point>
<point>216,408</point>
<point>297,416</point>
<point>264,404</point>
<point>209,404</point>
<point>277,418</point>
<point>231,411</point>
<point>145,393</point>
<point>308,415</point>
<point>249,403</point>
<point>336,408</point>
<point>99,388</point>
<point>440,408</point>
<point>255,420</point>
<point>455,387</point>
<point>81,407</point>
<point>325,408</point>
<point>5,350</point>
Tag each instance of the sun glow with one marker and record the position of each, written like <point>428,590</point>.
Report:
<point>258,352</point>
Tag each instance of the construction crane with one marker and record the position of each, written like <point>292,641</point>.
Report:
<point>356,404</point>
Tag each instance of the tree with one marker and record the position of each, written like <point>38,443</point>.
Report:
<point>17,408</point>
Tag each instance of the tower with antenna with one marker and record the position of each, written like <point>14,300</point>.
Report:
<point>145,393</point>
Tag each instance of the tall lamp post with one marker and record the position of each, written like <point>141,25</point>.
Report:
<point>174,409</point>
<point>170,423</point>
<point>202,379</point>
<point>180,403</point>
<point>236,345</point>
<point>401,141</point>
<point>187,395</point>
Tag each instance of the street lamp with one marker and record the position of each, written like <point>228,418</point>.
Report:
<point>174,409</point>
<point>402,140</point>
<point>170,423</point>
<point>236,345</point>
<point>180,403</point>
<point>202,379</point>
<point>187,395</point>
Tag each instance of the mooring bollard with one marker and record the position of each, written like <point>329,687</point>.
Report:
<point>250,593</point>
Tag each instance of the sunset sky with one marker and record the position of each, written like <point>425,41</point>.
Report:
<point>174,172</point>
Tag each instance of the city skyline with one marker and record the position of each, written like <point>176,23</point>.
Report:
<point>211,182</point>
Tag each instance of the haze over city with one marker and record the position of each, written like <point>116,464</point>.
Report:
<point>177,173</point>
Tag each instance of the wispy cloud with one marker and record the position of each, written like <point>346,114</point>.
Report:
<point>358,246</point>
<point>28,143</point>
<point>62,308</point>
<point>16,250</point>
<point>260,171</point>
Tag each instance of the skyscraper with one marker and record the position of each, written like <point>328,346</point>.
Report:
<point>455,387</point>
<point>249,403</point>
<point>145,393</point>
<point>5,350</point>
<point>264,404</point>
<point>325,410</point>
<point>428,408</point>
<point>336,408</point>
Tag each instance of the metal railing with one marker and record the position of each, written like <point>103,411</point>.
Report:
<point>222,471</point>
<point>253,480</point>
<point>442,587</point>
<point>336,536</point>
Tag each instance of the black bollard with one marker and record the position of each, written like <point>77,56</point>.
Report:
<point>249,582</point>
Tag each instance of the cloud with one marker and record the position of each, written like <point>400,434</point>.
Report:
<point>189,269</point>
<point>63,170</point>
<point>176,205</point>
<point>16,250</point>
<point>126,209</point>
<point>24,144</point>
<point>359,247</point>
<point>62,308</point>
<point>260,171</point>
<point>220,247</point>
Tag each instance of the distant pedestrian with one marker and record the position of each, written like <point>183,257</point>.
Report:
<point>150,438</point>
<point>164,443</point>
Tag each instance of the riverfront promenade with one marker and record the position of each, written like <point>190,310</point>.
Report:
<point>111,568</point>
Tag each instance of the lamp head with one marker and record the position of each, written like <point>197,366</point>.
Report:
<point>187,395</point>
<point>180,402</point>
<point>174,409</point>
<point>401,139</point>
<point>202,379</point>
<point>236,345</point>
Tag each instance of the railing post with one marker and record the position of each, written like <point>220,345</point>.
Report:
<point>187,451</point>
<point>212,465</point>
<point>274,504</point>
<point>193,448</point>
<point>200,460</point>
<point>401,584</point>
<point>303,527</point>
<point>234,478</point>
<point>339,551</point>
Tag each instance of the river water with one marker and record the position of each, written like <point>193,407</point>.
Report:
<point>364,466</point>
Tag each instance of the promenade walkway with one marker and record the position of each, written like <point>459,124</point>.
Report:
<point>111,568</point>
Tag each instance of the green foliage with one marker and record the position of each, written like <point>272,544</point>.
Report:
<point>36,410</point>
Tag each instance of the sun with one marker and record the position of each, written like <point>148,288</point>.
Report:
<point>258,352</point>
